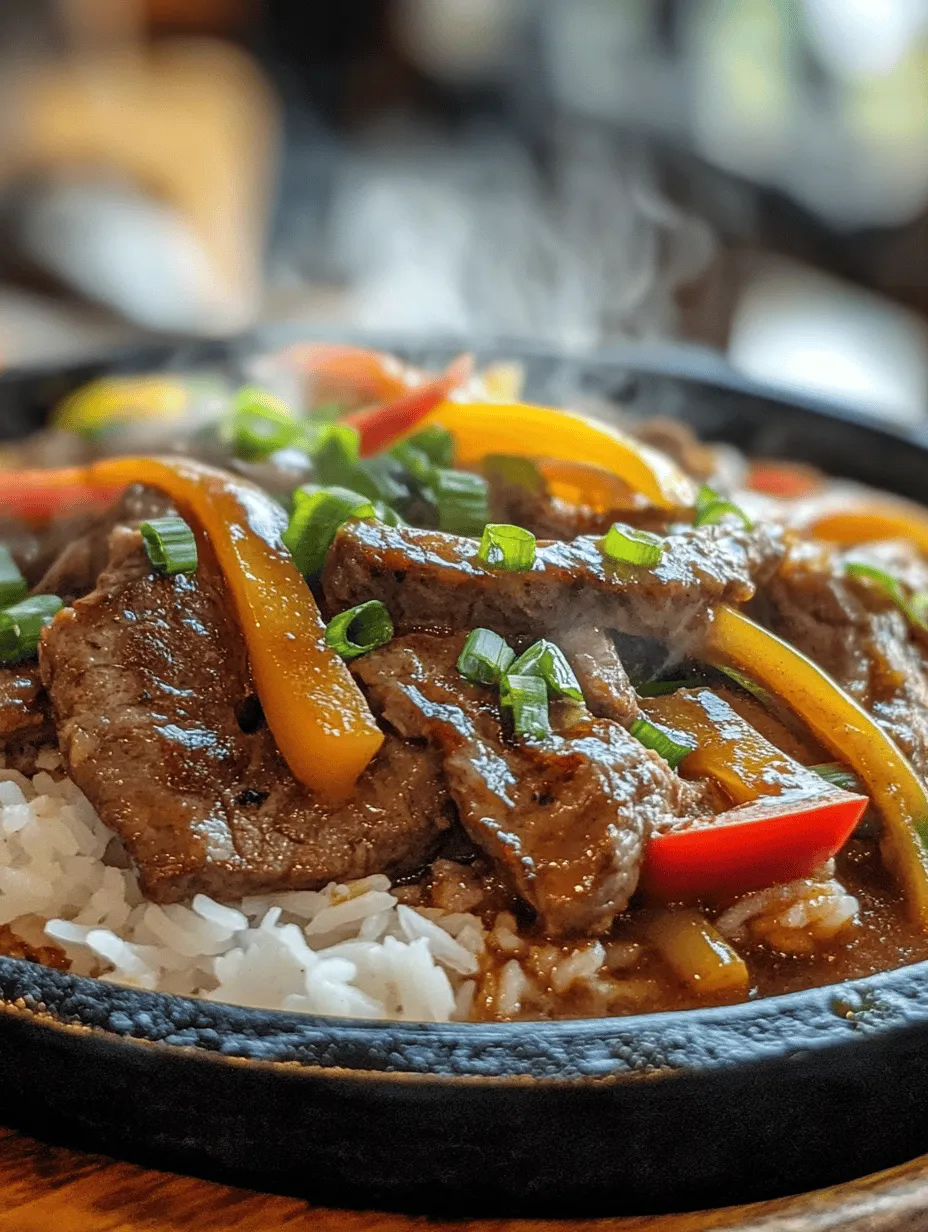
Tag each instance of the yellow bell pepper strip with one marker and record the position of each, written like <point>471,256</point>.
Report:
<point>698,955</point>
<point>316,712</point>
<point>526,431</point>
<point>379,427</point>
<point>791,821</point>
<point>844,727</point>
<point>121,399</point>
<point>868,522</point>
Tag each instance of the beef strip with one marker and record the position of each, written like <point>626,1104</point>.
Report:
<point>150,688</point>
<point>565,818</point>
<point>23,704</point>
<point>858,636</point>
<point>607,690</point>
<point>78,563</point>
<point>430,579</point>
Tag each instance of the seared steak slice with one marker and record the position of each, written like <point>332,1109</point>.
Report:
<point>858,637</point>
<point>564,819</point>
<point>607,690</point>
<point>430,579</point>
<point>23,704</point>
<point>150,688</point>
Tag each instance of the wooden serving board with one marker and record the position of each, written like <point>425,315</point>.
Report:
<point>50,1189</point>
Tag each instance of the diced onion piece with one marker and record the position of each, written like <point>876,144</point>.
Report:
<point>504,546</point>
<point>545,659</point>
<point>485,657</point>
<point>632,547</point>
<point>170,545</point>
<point>845,728</point>
<point>699,955</point>
<point>527,698</point>
<point>360,629</point>
<point>22,623</point>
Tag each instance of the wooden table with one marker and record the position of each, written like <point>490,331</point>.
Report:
<point>50,1189</point>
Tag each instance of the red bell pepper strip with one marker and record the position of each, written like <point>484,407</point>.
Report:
<point>379,427</point>
<point>746,848</point>
<point>786,480</point>
<point>38,495</point>
<point>787,822</point>
<point>349,373</point>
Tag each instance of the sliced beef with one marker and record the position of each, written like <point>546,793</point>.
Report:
<point>23,704</point>
<point>77,564</point>
<point>858,637</point>
<point>721,466</point>
<point>607,690</point>
<point>149,683</point>
<point>430,579</point>
<point>565,818</point>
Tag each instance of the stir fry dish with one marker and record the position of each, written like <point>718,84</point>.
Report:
<point>368,691</point>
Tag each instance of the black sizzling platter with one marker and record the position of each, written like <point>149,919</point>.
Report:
<point>652,1112</point>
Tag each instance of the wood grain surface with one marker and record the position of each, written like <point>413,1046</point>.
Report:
<point>50,1189</point>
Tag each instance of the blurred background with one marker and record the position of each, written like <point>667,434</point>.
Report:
<point>743,183</point>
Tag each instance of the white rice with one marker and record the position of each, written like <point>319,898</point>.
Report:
<point>348,949</point>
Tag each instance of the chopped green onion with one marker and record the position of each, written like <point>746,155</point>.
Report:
<point>671,745</point>
<point>416,462</point>
<point>836,774</point>
<point>436,443</point>
<point>387,514</point>
<point>485,657</point>
<point>360,629</point>
<point>507,547</point>
<point>462,501</point>
<point>632,547</point>
<point>170,545</point>
<point>261,424</point>
<point>917,609</point>
<point>756,690</point>
<point>547,660</point>
<point>660,688</point>
<point>317,515</point>
<point>22,623</point>
<point>527,698</point>
<point>327,412</point>
<point>13,586</point>
<point>521,472</point>
<point>710,508</point>
<point>335,454</point>
<point>890,586</point>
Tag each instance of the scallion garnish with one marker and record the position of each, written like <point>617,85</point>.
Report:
<point>745,682</point>
<point>710,508</point>
<point>416,462</point>
<point>485,657</point>
<point>527,698</point>
<point>21,626</point>
<point>507,547</point>
<point>170,545</point>
<point>660,688</point>
<point>317,514</point>
<point>669,744</point>
<point>335,454</point>
<point>260,424</point>
<point>387,514</point>
<point>836,774</point>
<point>545,659</point>
<point>462,501</point>
<point>360,629</point>
<point>890,586</point>
<point>436,443</point>
<point>13,586</point>
<point>632,547</point>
